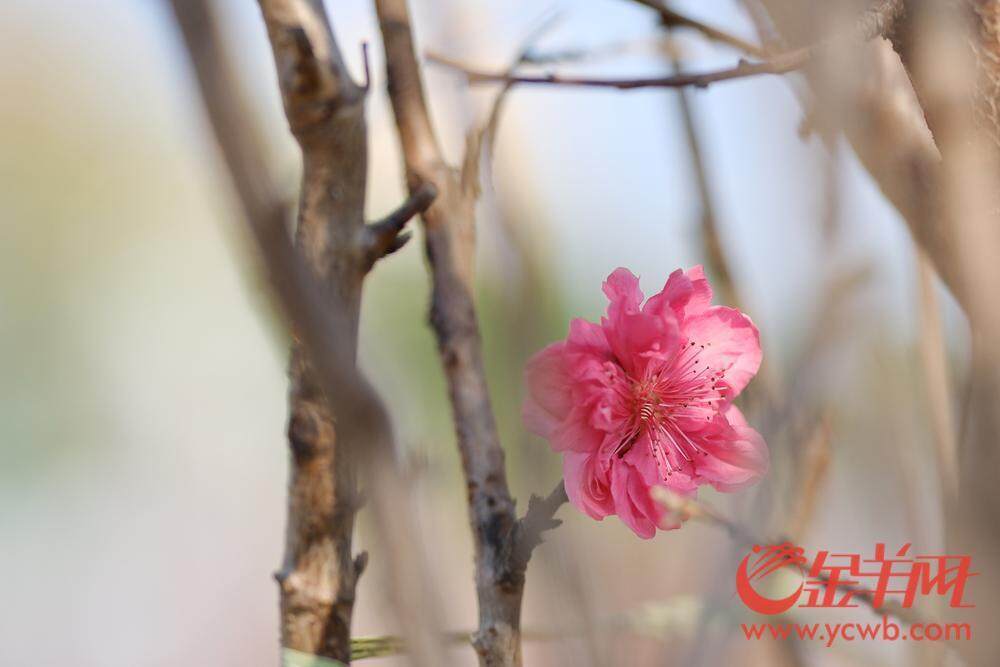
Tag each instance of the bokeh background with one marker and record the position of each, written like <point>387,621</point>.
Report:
<point>142,363</point>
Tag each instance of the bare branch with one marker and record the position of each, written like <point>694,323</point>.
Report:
<point>386,236</point>
<point>779,64</point>
<point>687,508</point>
<point>325,111</point>
<point>673,19</point>
<point>450,243</point>
<point>715,256</point>
<point>368,67</point>
<point>875,21</point>
<point>763,26</point>
<point>812,469</point>
<point>656,44</point>
<point>318,285</point>
<point>481,138</point>
<point>934,359</point>
<point>537,520</point>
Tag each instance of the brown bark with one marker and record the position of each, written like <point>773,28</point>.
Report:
<point>502,543</point>
<point>325,111</point>
<point>944,185</point>
<point>318,283</point>
<point>951,51</point>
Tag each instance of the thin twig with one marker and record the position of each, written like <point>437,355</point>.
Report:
<point>687,508</point>
<point>536,57</point>
<point>763,26</point>
<point>368,67</point>
<point>715,256</point>
<point>481,139</point>
<point>872,23</point>
<point>712,247</point>
<point>674,19</point>
<point>779,64</point>
<point>937,380</point>
<point>812,472</point>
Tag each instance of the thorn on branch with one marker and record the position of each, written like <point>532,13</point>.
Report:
<point>360,563</point>
<point>387,236</point>
<point>401,239</point>
<point>539,518</point>
<point>368,68</point>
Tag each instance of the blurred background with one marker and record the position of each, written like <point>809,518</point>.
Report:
<point>142,364</point>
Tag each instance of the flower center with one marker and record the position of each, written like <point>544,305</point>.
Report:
<point>683,390</point>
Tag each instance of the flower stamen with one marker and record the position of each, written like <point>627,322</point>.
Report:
<point>687,388</point>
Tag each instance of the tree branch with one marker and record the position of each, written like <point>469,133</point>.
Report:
<point>687,508</point>
<point>779,64</point>
<point>450,245</point>
<point>386,236</point>
<point>318,284</point>
<point>673,19</point>
<point>538,519</point>
<point>715,256</point>
<point>945,188</point>
<point>325,110</point>
<point>872,23</point>
<point>482,137</point>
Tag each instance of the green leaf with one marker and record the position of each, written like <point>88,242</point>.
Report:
<point>292,658</point>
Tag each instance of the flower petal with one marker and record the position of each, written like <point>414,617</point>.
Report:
<point>686,293</point>
<point>681,480</point>
<point>637,339</point>
<point>634,503</point>
<point>549,398</point>
<point>589,393</point>
<point>587,485</point>
<point>732,344</point>
<point>622,290</point>
<point>737,454</point>
<point>575,434</point>
<point>587,337</point>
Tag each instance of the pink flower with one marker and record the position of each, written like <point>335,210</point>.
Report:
<point>644,399</point>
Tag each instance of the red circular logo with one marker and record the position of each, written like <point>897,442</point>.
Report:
<point>766,561</point>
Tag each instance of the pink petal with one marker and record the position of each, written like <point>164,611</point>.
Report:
<point>622,290</point>
<point>587,336</point>
<point>681,481</point>
<point>732,344</point>
<point>609,413</point>
<point>549,399</point>
<point>737,455</point>
<point>633,502</point>
<point>587,485</point>
<point>637,338</point>
<point>686,293</point>
<point>588,370</point>
<point>575,434</point>
<point>598,387</point>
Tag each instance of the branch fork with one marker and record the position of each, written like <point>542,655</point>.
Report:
<point>388,235</point>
